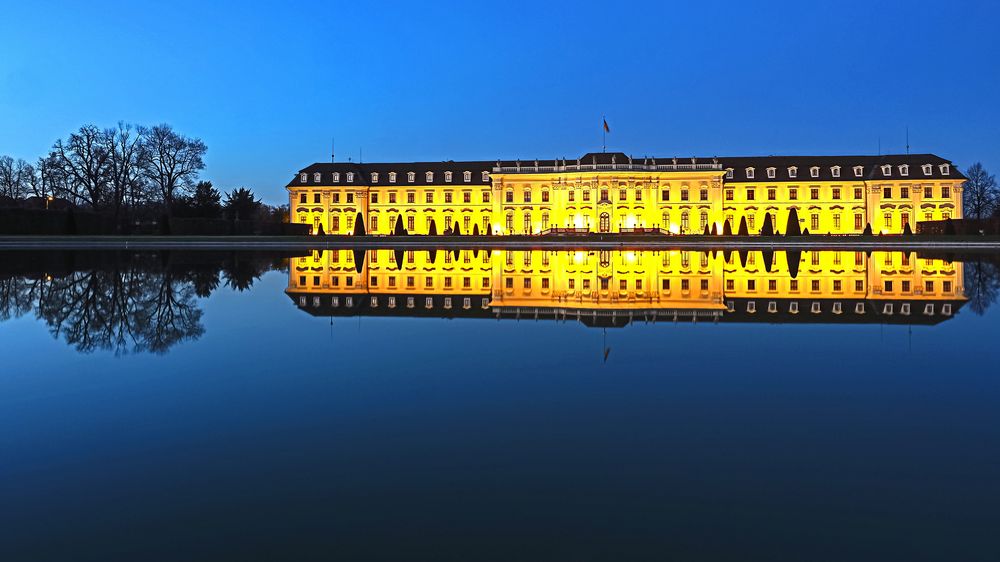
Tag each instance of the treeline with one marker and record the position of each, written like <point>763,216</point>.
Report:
<point>131,174</point>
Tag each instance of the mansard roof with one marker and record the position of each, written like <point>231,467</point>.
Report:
<point>872,168</point>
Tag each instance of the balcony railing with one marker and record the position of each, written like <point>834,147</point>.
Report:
<point>530,169</point>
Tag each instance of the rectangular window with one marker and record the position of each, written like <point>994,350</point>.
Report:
<point>684,195</point>
<point>859,285</point>
<point>772,194</point>
<point>411,197</point>
<point>664,195</point>
<point>814,223</point>
<point>729,195</point>
<point>392,198</point>
<point>945,192</point>
<point>835,192</point>
<point>429,197</point>
<point>704,195</point>
<point>750,194</point>
<point>374,198</point>
<point>858,193</point>
<point>447,197</point>
<point>904,192</point>
<point>887,193</point>
<point>814,193</point>
<point>859,221</point>
<point>467,197</point>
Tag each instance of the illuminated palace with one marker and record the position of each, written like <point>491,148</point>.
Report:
<point>613,288</point>
<point>612,192</point>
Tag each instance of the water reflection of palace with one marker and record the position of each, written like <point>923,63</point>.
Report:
<point>614,288</point>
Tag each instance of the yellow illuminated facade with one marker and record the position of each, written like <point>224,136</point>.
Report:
<point>614,193</point>
<point>616,287</point>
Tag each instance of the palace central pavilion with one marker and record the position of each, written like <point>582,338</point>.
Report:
<point>612,192</point>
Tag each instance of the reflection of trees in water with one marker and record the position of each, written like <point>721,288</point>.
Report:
<point>16,296</point>
<point>982,284</point>
<point>144,305</point>
<point>122,311</point>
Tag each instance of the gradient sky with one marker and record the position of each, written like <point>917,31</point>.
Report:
<point>266,86</point>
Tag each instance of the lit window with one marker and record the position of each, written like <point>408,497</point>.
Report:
<point>350,177</point>
<point>336,177</point>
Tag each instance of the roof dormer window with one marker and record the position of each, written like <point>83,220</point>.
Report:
<point>729,173</point>
<point>945,169</point>
<point>374,177</point>
<point>336,177</point>
<point>793,171</point>
<point>886,170</point>
<point>771,172</point>
<point>316,177</point>
<point>447,177</point>
<point>430,177</point>
<point>749,172</point>
<point>904,170</point>
<point>859,171</point>
<point>814,171</point>
<point>411,176</point>
<point>467,176</point>
<point>350,177</point>
<point>303,177</point>
<point>392,177</point>
<point>835,171</point>
<point>928,169</point>
<point>486,176</point>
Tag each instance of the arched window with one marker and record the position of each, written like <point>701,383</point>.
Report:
<point>510,223</point>
<point>527,222</point>
<point>666,220</point>
<point>685,222</point>
<point>704,220</point>
<point>605,225</point>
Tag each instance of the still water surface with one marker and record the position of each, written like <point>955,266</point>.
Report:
<point>525,405</point>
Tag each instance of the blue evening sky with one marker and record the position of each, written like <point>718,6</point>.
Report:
<point>268,84</point>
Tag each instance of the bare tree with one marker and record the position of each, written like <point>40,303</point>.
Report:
<point>84,167</point>
<point>15,177</point>
<point>40,178</point>
<point>127,151</point>
<point>171,162</point>
<point>980,194</point>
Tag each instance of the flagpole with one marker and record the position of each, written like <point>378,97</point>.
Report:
<point>604,134</point>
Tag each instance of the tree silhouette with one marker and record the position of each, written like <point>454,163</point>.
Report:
<point>727,228</point>
<point>359,225</point>
<point>432,228</point>
<point>744,231</point>
<point>767,229</point>
<point>400,230</point>
<point>792,228</point>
